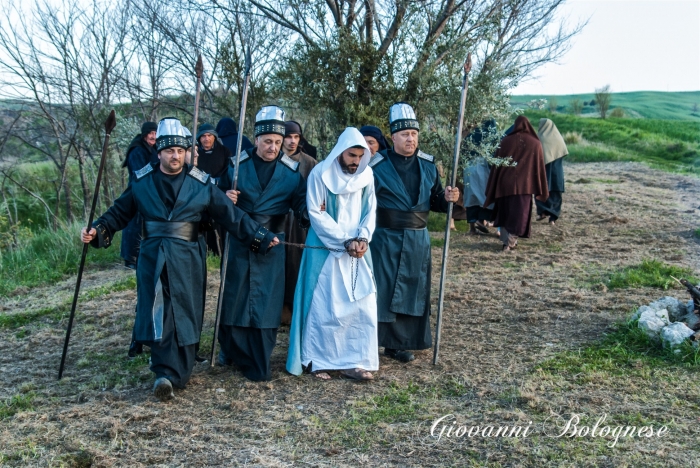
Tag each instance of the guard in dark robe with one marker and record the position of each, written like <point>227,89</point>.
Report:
<point>228,134</point>
<point>171,198</point>
<point>554,149</point>
<point>292,229</point>
<point>141,151</point>
<point>269,186</point>
<point>213,158</point>
<point>407,187</point>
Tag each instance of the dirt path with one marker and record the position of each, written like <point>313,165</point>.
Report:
<point>505,313</point>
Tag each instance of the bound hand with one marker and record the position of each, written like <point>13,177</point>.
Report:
<point>86,237</point>
<point>323,206</point>
<point>275,241</point>
<point>233,195</point>
<point>451,194</point>
<point>357,249</point>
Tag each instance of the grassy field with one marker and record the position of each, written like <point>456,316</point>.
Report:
<point>647,104</point>
<point>663,144</point>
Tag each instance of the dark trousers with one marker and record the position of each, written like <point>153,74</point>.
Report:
<point>406,332</point>
<point>249,348</point>
<point>551,207</point>
<point>167,358</point>
<point>131,240</point>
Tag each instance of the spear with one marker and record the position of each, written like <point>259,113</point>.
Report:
<point>453,182</point>
<point>224,258</point>
<point>198,70</point>
<point>110,123</point>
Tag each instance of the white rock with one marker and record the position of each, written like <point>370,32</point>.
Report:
<point>638,314</point>
<point>676,309</point>
<point>652,321</point>
<point>675,334</point>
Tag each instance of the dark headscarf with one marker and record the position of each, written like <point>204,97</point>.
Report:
<point>138,141</point>
<point>376,133</point>
<point>228,134</point>
<point>291,127</point>
<point>528,176</point>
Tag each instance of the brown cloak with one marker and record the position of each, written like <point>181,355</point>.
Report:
<point>528,177</point>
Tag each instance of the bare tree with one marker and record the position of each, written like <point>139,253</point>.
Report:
<point>603,97</point>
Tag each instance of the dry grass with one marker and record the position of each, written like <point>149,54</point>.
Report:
<point>513,324</point>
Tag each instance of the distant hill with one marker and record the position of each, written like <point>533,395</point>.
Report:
<point>646,104</point>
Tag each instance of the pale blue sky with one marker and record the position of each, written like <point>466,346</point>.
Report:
<point>632,45</point>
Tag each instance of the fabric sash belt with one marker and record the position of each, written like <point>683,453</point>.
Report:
<point>274,223</point>
<point>397,219</point>
<point>175,229</point>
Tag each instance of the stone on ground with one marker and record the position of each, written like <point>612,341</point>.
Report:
<point>675,334</point>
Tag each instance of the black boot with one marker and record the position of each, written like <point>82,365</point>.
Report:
<point>399,355</point>
<point>135,348</point>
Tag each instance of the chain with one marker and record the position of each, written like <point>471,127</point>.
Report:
<point>353,266</point>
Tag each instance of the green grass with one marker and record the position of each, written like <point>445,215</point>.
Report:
<point>15,404</point>
<point>649,273</point>
<point>20,319</point>
<point>647,104</point>
<point>625,350</point>
<point>697,233</point>
<point>436,223</point>
<point>668,145</point>
<point>47,257</point>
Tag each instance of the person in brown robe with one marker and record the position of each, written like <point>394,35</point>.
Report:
<point>512,187</point>
<point>293,232</point>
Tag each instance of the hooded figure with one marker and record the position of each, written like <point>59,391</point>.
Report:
<point>554,149</point>
<point>334,326</point>
<point>228,134</point>
<point>292,147</point>
<point>476,175</point>
<point>375,139</point>
<point>141,151</point>
<point>512,187</point>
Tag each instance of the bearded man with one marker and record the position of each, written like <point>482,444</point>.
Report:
<point>334,326</point>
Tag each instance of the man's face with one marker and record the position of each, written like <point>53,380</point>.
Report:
<point>268,146</point>
<point>172,159</point>
<point>350,160</point>
<point>405,142</point>
<point>373,144</point>
<point>291,143</point>
<point>207,141</point>
<point>150,139</point>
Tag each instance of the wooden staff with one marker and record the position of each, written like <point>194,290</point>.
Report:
<point>110,123</point>
<point>453,182</point>
<point>224,257</point>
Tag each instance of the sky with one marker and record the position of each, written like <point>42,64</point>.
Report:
<point>632,45</point>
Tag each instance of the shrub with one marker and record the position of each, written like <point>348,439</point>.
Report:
<point>576,106</point>
<point>573,138</point>
<point>617,112</point>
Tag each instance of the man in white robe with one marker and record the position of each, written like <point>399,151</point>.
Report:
<point>334,324</point>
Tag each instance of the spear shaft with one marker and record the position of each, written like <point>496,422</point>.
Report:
<point>198,70</point>
<point>453,182</point>
<point>224,257</point>
<point>110,123</point>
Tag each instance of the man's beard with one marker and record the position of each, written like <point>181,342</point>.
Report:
<point>347,169</point>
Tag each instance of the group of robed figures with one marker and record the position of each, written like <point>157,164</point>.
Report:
<point>347,302</point>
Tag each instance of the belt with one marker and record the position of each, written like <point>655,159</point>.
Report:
<point>274,223</point>
<point>175,229</point>
<point>397,219</point>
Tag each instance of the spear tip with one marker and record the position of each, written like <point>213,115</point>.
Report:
<point>468,63</point>
<point>111,122</point>
<point>199,67</point>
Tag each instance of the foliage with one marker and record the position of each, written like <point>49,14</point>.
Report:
<point>15,404</point>
<point>47,257</point>
<point>603,98</point>
<point>617,113</point>
<point>647,104</point>
<point>576,106</point>
<point>667,145</point>
<point>649,273</point>
<point>625,349</point>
